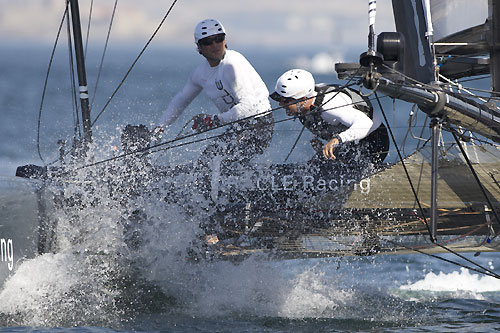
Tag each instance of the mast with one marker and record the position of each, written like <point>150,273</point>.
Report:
<point>82,77</point>
<point>494,18</point>
<point>436,101</point>
<point>371,58</point>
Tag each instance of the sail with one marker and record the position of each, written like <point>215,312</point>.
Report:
<point>449,17</point>
<point>410,21</point>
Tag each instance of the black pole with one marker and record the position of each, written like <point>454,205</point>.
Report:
<point>434,176</point>
<point>82,77</point>
<point>494,21</point>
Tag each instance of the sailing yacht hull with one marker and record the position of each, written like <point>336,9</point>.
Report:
<point>377,214</point>
<point>295,210</point>
<point>21,213</point>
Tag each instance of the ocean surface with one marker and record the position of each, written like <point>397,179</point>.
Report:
<point>105,292</point>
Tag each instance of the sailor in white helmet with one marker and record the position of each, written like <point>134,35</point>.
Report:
<point>236,89</point>
<point>343,122</point>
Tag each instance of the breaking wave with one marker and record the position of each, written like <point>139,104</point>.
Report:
<point>462,281</point>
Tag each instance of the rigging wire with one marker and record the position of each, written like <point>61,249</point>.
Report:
<point>151,151</point>
<point>179,138</point>
<point>460,88</point>
<point>134,63</point>
<point>486,152</point>
<point>295,143</point>
<point>476,176</point>
<point>76,119</point>
<point>404,167</point>
<point>460,95</point>
<point>46,81</point>
<point>88,27</point>
<point>470,261</point>
<point>410,121</point>
<point>485,272</point>
<point>435,88</point>
<point>492,273</point>
<point>420,138</point>
<point>103,55</point>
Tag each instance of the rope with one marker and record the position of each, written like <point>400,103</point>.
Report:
<point>135,62</point>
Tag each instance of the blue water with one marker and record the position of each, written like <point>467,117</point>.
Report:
<point>66,292</point>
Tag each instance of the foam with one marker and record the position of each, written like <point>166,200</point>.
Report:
<point>462,280</point>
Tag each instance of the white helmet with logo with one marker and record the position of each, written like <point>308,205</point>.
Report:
<point>296,83</point>
<point>206,28</point>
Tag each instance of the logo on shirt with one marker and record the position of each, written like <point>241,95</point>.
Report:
<point>228,99</point>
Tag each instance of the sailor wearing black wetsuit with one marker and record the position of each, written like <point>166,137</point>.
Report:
<point>343,118</point>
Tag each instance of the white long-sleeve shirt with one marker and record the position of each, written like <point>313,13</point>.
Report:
<point>234,86</point>
<point>339,110</point>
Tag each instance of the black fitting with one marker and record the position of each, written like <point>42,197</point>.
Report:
<point>371,58</point>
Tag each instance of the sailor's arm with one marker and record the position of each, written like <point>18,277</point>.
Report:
<point>359,130</point>
<point>179,103</point>
<point>241,110</point>
<point>358,124</point>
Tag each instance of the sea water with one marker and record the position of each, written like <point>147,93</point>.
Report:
<point>97,286</point>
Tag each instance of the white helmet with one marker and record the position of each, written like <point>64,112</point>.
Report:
<point>296,83</point>
<point>206,28</point>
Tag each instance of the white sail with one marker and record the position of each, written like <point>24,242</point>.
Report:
<point>449,17</point>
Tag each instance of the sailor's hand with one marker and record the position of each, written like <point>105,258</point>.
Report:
<point>317,145</point>
<point>203,122</point>
<point>330,147</point>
